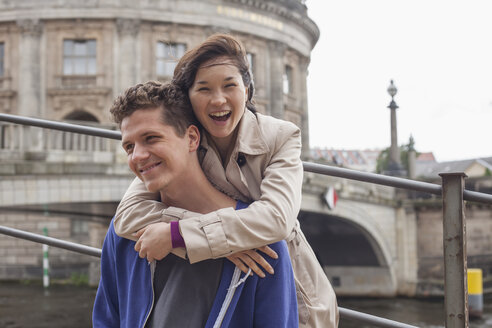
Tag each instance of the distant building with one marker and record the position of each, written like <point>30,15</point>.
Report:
<point>362,160</point>
<point>473,168</point>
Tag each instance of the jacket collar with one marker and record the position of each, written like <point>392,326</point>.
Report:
<point>250,139</point>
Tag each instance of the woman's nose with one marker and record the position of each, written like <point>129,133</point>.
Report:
<point>218,98</point>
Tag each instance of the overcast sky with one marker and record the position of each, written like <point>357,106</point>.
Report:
<point>439,54</point>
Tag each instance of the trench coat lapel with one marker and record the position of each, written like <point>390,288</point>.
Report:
<point>250,142</point>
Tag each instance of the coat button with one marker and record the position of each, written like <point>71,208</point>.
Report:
<point>241,160</point>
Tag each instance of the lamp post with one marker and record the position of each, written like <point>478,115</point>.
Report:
<point>394,165</point>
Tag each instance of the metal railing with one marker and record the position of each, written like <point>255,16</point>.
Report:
<point>452,190</point>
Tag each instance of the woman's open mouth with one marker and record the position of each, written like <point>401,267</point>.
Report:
<point>220,116</point>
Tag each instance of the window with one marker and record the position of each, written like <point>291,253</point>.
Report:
<point>251,61</point>
<point>79,227</point>
<point>167,56</point>
<point>1,58</point>
<point>79,57</point>
<point>287,80</point>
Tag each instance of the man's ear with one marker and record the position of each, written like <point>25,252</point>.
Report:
<point>194,138</point>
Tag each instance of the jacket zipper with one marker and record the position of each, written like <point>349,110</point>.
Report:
<point>235,282</point>
<point>152,271</point>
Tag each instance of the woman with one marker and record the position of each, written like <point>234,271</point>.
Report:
<point>250,157</point>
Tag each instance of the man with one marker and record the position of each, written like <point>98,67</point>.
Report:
<point>161,139</point>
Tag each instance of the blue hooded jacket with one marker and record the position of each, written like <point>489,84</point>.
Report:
<point>125,294</point>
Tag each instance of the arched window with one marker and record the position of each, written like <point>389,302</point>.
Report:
<point>80,115</point>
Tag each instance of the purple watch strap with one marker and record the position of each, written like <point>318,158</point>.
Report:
<point>176,238</point>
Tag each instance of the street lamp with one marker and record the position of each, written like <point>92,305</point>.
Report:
<point>394,155</point>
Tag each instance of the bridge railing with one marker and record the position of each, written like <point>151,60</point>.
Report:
<point>454,238</point>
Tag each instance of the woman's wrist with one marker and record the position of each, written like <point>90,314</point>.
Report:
<point>176,238</point>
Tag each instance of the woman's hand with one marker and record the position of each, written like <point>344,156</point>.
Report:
<point>154,241</point>
<point>251,259</point>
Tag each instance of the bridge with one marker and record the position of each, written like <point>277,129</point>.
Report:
<point>368,243</point>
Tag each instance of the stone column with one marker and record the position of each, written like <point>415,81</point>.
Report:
<point>303,104</point>
<point>30,84</point>
<point>277,67</point>
<point>128,53</point>
<point>406,246</point>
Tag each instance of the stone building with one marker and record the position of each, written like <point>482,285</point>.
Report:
<point>67,60</point>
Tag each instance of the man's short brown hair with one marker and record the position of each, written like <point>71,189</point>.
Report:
<point>175,105</point>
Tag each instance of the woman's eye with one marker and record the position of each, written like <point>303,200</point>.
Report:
<point>230,85</point>
<point>203,89</point>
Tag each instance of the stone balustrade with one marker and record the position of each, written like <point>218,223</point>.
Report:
<point>32,150</point>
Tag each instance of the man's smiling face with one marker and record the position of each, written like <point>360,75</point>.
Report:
<point>156,153</point>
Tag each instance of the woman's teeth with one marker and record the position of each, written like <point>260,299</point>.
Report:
<point>220,116</point>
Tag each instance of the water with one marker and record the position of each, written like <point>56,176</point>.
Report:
<point>29,305</point>
<point>427,313</point>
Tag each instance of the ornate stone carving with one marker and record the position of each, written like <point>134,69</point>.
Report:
<point>30,27</point>
<point>127,26</point>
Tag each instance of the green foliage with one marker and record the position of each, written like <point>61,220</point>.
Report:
<point>488,173</point>
<point>383,158</point>
<point>382,161</point>
<point>79,279</point>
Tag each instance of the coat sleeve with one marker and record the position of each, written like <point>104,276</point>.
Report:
<point>218,234</point>
<point>139,208</point>
<point>106,306</point>
<point>267,220</point>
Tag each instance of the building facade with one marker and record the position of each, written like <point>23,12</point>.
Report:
<point>67,60</point>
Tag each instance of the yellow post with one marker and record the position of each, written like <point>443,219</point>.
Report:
<point>475,293</point>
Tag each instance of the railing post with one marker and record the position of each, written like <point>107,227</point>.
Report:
<point>454,243</point>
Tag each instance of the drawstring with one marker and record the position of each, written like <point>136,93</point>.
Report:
<point>242,280</point>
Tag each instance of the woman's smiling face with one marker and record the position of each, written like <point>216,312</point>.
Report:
<point>218,96</point>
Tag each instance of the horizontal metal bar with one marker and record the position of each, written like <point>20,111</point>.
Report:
<point>371,319</point>
<point>62,126</point>
<point>477,196</point>
<point>309,167</point>
<point>385,180</point>
<point>373,178</point>
<point>51,241</point>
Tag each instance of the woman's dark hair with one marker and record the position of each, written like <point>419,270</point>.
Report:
<point>217,45</point>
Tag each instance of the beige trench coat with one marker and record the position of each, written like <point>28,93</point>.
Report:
<point>265,168</point>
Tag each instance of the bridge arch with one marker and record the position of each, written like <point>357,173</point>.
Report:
<point>354,248</point>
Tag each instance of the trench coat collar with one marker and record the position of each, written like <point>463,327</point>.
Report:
<point>250,139</point>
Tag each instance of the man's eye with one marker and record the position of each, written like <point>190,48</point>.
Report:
<point>129,149</point>
<point>151,138</point>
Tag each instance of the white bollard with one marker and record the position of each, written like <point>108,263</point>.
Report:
<point>46,263</point>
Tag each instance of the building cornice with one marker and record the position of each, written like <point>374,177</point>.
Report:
<point>277,21</point>
<point>291,10</point>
